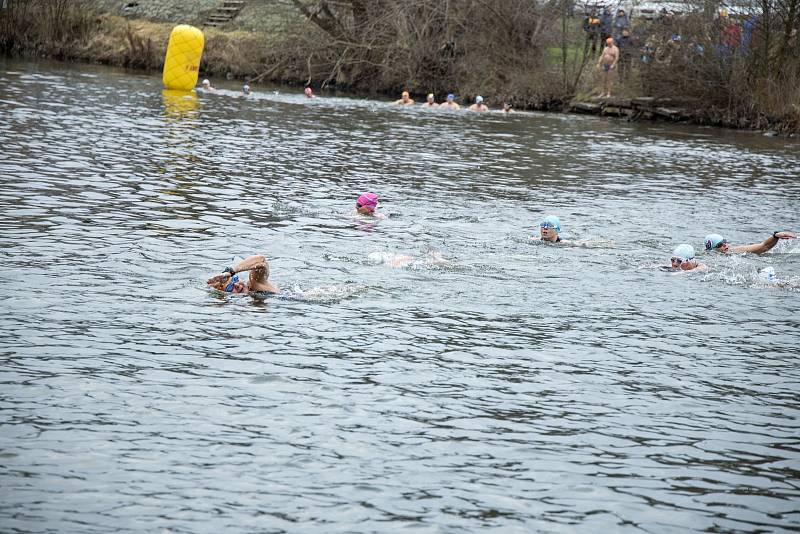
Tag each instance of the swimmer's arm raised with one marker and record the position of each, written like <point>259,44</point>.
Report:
<point>220,281</point>
<point>249,263</point>
<point>766,245</point>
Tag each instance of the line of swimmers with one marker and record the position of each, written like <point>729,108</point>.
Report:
<point>683,257</point>
<point>449,103</point>
<point>405,99</point>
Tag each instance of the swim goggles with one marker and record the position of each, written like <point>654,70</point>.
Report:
<point>718,245</point>
<point>370,208</point>
<point>546,225</point>
<point>677,260</point>
<point>231,284</point>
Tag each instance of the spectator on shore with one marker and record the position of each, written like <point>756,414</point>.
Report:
<point>665,18</point>
<point>309,92</point>
<point>731,36</point>
<point>628,48</point>
<point>607,63</point>
<point>478,105</point>
<point>405,100</point>
<point>430,102</point>
<point>748,29</point>
<point>591,25</point>
<point>672,49</point>
<point>606,23</point>
<point>649,49</point>
<point>450,103</point>
<point>621,22</point>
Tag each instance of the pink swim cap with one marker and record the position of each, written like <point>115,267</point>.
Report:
<point>368,200</point>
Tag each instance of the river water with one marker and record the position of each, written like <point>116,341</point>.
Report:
<point>513,388</point>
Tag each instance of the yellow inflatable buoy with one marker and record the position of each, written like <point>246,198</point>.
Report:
<point>182,62</point>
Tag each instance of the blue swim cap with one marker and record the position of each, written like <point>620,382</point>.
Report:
<point>714,240</point>
<point>553,221</point>
<point>451,96</point>
<point>684,252</point>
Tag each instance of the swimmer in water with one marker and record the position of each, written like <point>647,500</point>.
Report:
<point>430,102</point>
<point>207,85</point>
<point>258,281</point>
<point>715,242</point>
<point>549,229</point>
<point>683,259</point>
<point>366,204</point>
<point>405,100</point>
<point>309,92</point>
<point>478,105</point>
<point>508,108</point>
<point>450,103</point>
<point>245,90</point>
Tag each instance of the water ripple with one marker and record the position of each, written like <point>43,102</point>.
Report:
<point>509,387</point>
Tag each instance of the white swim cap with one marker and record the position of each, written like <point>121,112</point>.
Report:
<point>478,99</point>
<point>206,82</point>
<point>684,252</point>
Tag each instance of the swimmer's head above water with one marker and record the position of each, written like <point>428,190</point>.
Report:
<point>308,92</point>
<point>367,203</point>
<point>245,89</point>
<point>683,258</point>
<point>258,280</point>
<point>716,242</point>
<point>549,228</point>
<point>451,97</point>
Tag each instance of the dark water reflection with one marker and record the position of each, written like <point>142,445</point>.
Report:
<point>520,388</point>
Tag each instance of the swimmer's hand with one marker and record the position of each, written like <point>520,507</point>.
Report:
<point>220,281</point>
<point>785,235</point>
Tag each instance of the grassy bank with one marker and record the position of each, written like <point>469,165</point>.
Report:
<point>71,31</point>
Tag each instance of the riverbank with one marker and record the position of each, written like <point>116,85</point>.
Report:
<point>76,33</point>
<point>671,110</point>
<point>285,47</point>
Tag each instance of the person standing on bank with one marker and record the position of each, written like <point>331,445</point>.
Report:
<point>607,63</point>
